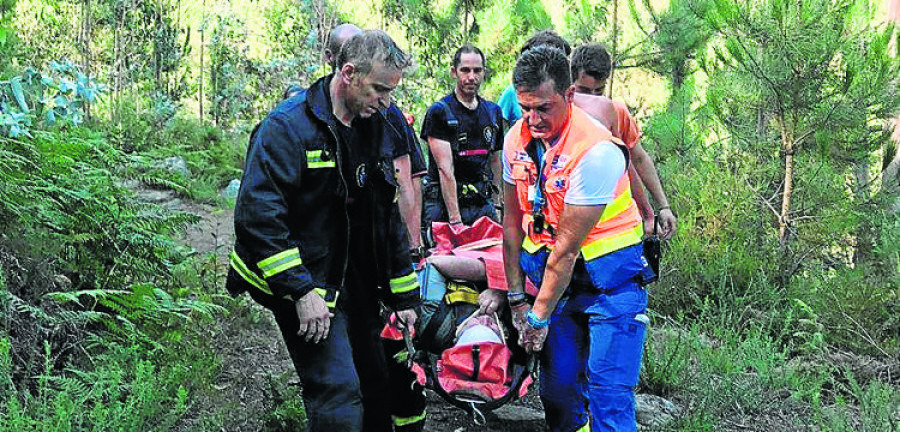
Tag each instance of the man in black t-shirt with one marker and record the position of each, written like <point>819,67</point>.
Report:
<point>465,137</point>
<point>409,165</point>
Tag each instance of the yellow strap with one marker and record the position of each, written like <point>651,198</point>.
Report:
<point>585,428</point>
<point>457,293</point>
<point>606,245</point>
<point>403,421</point>
<point>404,284</point>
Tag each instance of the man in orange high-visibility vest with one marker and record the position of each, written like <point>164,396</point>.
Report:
<point>574,230</point>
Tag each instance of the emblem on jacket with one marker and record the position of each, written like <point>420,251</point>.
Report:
<point>488,134</point>
<point>361,175</point>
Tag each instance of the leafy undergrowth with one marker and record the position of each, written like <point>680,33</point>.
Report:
<point>99,331</point>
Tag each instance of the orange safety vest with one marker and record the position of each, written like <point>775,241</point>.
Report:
<point>620,224</point>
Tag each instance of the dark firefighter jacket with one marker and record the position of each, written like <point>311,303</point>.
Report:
<point>290,217</point>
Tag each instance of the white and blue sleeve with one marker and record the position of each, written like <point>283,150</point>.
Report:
<point>593,181</point>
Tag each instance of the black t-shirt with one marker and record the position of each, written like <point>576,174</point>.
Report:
<point>403,139</point>
<point>475,136</point>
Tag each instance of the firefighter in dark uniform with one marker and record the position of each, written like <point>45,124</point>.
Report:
<point>319,238</point>
<point>465,135</point>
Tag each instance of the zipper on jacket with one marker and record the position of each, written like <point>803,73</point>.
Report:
<point>340,162</point>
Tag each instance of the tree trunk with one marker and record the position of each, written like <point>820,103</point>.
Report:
<point>202,45</point>
<point>788,148</point>
<point>615,53</point>
<point>86,30</point>
<point>890,178</point>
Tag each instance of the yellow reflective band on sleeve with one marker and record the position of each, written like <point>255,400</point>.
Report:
<point>404,284</point>
<point>403,421</point>
<point>606,245</point>
<point>280,262</point>
<point>322,292</point>
<point>238,265</point>
<point>585,428</point>
<point>617,206</point>
<point>314,160</point>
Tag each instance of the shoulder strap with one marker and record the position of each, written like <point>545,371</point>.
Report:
<point>452,122</point>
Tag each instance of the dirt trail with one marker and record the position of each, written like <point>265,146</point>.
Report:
<point>256,367</point>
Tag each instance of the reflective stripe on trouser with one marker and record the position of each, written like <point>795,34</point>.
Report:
<point>593,351</point>
<point>331,386</point>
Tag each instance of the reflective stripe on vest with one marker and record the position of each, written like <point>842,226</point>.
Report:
<point>280,262</point>
<point>620,224</point>
<point>253,279</point>
<point>314,160</point>
<point>404,284</point>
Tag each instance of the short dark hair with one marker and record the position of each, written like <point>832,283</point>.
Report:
<point>546,37</point>
<point>539,65</point>
<point>370,46</point>
<point>592,59</point>
<point>465,49</point>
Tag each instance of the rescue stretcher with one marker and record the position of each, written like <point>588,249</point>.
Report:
<point>471,361</point>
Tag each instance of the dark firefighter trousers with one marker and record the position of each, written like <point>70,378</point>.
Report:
<point>345,378</point>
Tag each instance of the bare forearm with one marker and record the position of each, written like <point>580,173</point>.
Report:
<point>406,201</point>
<point>448,193</point>
<point>415,224</point>
<point>497,174</point>
<point>557,275</point>
<point>512,240</point>
<point>637,192</point>
<point>650,177</point>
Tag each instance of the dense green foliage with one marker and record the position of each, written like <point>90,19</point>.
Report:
<point>778,296</point>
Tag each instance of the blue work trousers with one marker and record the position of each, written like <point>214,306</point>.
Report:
<point>592,359</point>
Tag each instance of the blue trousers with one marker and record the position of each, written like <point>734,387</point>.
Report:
<point>592,359</point>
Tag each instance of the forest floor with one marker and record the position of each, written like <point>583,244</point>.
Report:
<point>257,373</point>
